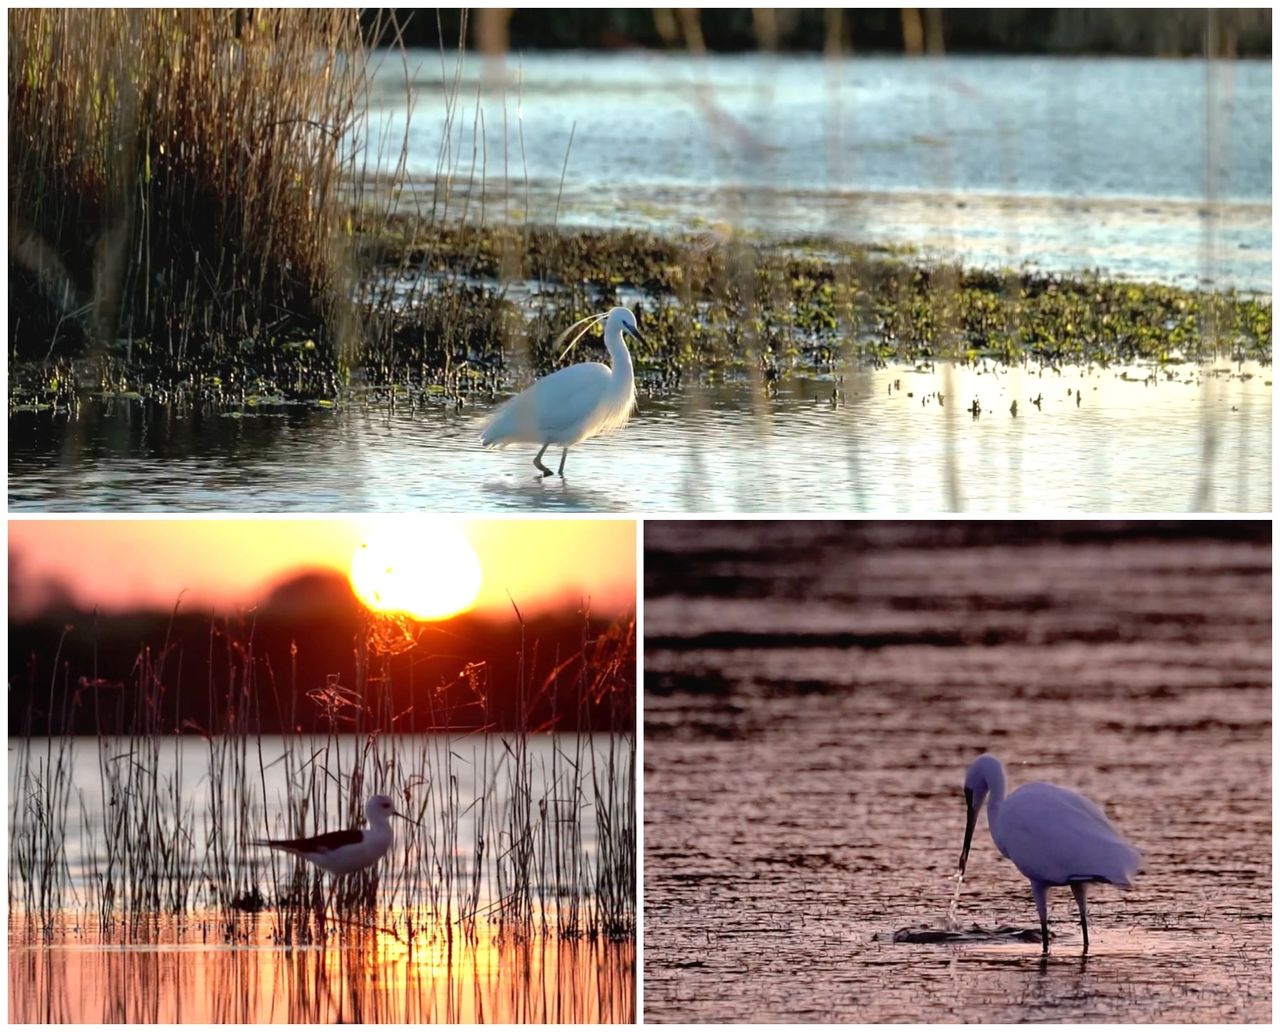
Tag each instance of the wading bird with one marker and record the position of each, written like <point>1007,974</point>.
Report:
<point>343,852</point>
<point>571,404</point>
<point>1053,836</point>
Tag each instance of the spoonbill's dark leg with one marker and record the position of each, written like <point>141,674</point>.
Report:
<point>1077,890</point>
<point>563,455</point>
<point>1042,907</point>
<point>537,461</point>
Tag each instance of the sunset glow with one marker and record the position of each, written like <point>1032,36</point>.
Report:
<point>418,565</point>
<point>423,569</point>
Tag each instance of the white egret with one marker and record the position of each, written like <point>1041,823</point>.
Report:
<point>1053,836</point>
<point>574,403</point>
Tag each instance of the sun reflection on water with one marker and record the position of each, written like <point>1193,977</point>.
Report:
<point>181,974</point>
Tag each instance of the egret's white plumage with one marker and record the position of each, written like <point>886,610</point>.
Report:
<point>1053,836</point>
<point>574,403</point>
<point>343,852</point>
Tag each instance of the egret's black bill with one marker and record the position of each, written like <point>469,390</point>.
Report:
<point>971,818</point>
<point>636,334</point>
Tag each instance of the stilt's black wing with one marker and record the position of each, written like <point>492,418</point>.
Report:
<point>325,843</point>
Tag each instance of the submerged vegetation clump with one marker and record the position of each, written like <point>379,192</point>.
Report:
<point>711,303</point>
<point>481,310</point>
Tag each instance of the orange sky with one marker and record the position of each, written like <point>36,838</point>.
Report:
<point>124,564</point>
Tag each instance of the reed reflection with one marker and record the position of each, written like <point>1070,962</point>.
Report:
<point>360,976</point>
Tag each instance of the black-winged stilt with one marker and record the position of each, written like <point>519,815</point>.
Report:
<point>344,852</point>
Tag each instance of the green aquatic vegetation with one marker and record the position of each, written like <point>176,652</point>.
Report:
<point>718,305</point>
<point>479,311</point>
<point>715,304</point>
<point>451,311</point>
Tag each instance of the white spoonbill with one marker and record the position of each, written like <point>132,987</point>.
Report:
<point>1053,836</point>
<point>566,407</point>
<point>343,852</point>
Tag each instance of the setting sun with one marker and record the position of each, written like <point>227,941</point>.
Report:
<point>118,565</point>
<point>425,569</point>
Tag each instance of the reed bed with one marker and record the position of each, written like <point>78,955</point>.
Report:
<point>179,178</point>
<point>524,835</point>
<point>200,213</point>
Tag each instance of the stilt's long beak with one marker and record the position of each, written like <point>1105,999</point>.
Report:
<point>971,818</point>
<point>397,813</point>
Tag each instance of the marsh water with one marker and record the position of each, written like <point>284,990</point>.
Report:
<point>891,439</point>
<point>814,693</point>
<point>1148,169</point>
<point>437,944</point>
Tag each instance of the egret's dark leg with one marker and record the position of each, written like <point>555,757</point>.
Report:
<point>563,455</point>
<point>1077,890</point>
<point>537,461</point>
<point>1042,908</point>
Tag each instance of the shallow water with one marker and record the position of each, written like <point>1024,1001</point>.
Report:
<point>814,693</point>
<point>1145,168</point>
<point>185,974</point>
<point>1124,439</point>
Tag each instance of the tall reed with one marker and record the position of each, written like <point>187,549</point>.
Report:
<point>529,833</point>
<point>181,176</point>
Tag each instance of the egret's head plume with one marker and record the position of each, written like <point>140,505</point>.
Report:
<point>586,322</point>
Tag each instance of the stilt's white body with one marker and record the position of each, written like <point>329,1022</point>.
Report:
<point>1053,836</point>
<point>574,403</point>
<point>344,852</point>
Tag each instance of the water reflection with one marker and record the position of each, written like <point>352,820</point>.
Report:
<point>1090,163</point>
<point>981,438</point>
<point>184,974</point>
